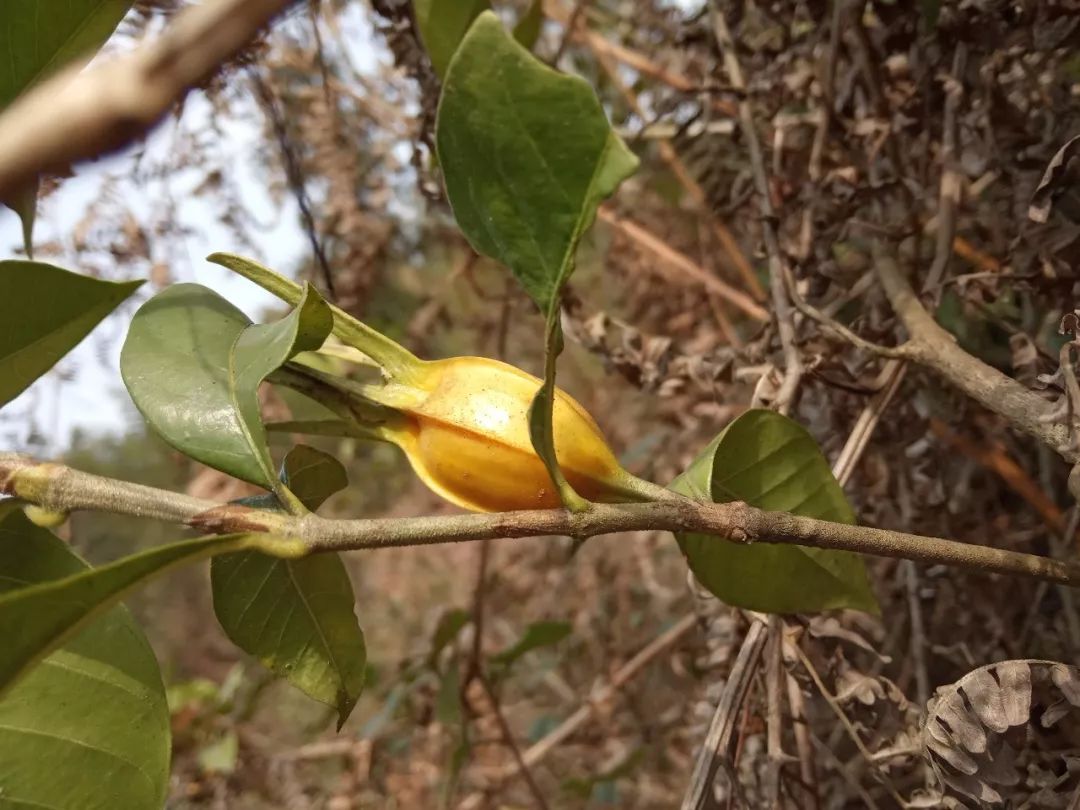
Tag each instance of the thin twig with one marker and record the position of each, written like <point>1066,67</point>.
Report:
<point>774,715</point>
<point>508,739</point>
<point>845,721</point>
<point>803,743</point>
<point>697,194</point>
<point>294,174</point>
<point>718,740</point>
<point>80,115</point>
<point>680,261</point>
<point>868,420</point>
<point>785,321</point>
<point>951,179</point>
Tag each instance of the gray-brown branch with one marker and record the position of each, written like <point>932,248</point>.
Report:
<point>61,489</point>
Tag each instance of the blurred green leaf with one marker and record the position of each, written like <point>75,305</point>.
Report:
<point>450,624</point>
<point>528,27</point>
<point>87,729</point>
<point>46,312</point>
<point>193,364</point>
<point>36,620</point>
<point>537,635</point>
<point>527,154</point>
<point>442,24</point>
<point>37,37</point>
<point>771,462</point>
<point>220,755</point>
<point>297,615</point>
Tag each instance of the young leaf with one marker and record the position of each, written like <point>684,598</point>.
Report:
<point>297,616</point>
<point>442,24</point>
<point>312,475</point>
<point>537,635</point>
<point>771,462</point>
<point>193,372</point>
<point>528,155</point>
<point>46,312</point>
<point>88,729</point>
<point>36,620</point>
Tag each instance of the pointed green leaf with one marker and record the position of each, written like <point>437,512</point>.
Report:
<point>193,367</point>
<point>36,620</point>
<point>39,36</point>
<point>442,24</point>
<point>46,312</point>
<point>771,462</point>
<point>527,154</point>
<point>264,348</point>
<point>537,635</point>
<point>297,616</point>
<point>88,729</point>
<point>527,29</point>
<point>312,475</point>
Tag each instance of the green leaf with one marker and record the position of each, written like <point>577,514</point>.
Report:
<point>88,729</point>
<point>528,27</point>
<point>771,462</point>
<point>312,475</point>
<point>36,620</point>
<point>262,349</point>
<point>46,312</point>
<point>442,24</point>
<point>527,154</point>
<point>297,616</point>
<point>193,365</point>
<point>39,36</point>
<point>537,635</point>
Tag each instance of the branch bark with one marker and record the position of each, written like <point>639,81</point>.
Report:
<point>80,115</point>
<point>932,346</point>
<point>61,489</point>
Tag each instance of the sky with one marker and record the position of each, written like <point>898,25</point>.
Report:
<point>86,392</point>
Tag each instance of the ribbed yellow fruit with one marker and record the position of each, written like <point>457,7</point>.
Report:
<point>466,434</point>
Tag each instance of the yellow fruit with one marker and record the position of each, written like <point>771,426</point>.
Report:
<point>466,434</point>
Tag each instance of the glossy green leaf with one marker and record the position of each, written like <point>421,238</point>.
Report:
<point>193,368</point>
<point>537,635</point>
<point>442,24</point>
<point>527,29</point>
<point>527,154</point>
<point>36,620</point>
<point>262,349</point>
<point>88,729</point>
<point>45,312</point>
<point>297,616</point>
<point>771,462</point>
<point>39,36</point>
